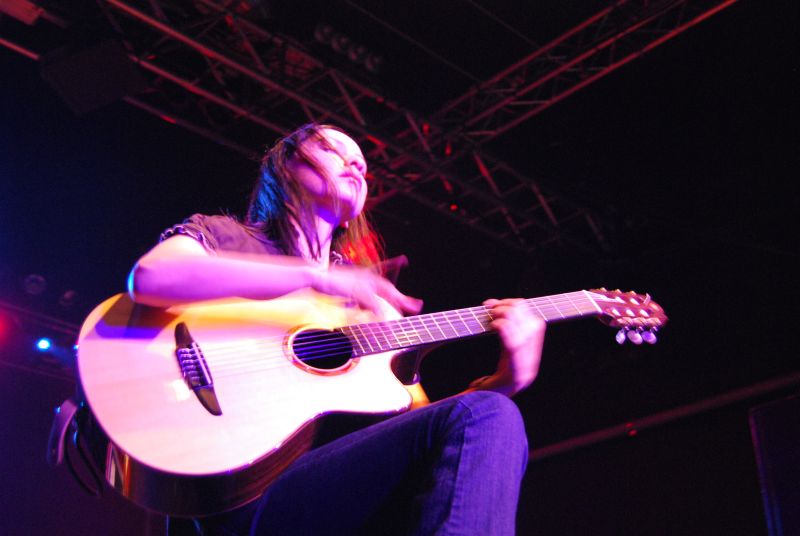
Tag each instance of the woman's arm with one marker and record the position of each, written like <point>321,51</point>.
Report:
<point>180,270</point>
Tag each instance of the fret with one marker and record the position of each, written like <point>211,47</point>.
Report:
<point>350,330</point>
<point>554,306</point>
<point>595,307</point>
<point>430,322</point>
<point>392,327</point>
<point>480,324</point>
<point>546,308</point>
<point>376,334</point>
<point>532,303</point>
<point>364,337</point>
<point>467,321</point>
<point>463,330</point>
<point>419,330</point>
<point>403,325</point>
<point>578,312</point>
<point>448,329</point>
<point>407,327</point>
<point>401,333</point>
<point>419,325</point>
<point>563,306</point>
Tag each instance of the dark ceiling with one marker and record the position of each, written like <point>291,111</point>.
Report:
<point>689,153</point>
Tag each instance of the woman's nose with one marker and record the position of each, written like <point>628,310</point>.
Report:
<point>356,164</point>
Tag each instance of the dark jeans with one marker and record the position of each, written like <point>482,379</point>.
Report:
<point>453,467</point>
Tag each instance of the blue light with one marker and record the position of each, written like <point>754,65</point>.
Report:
<point>44,344</point>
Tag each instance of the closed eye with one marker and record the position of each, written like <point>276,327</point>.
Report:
<point>359,163</point>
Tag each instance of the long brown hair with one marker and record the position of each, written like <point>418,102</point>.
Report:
<point>278,199</point>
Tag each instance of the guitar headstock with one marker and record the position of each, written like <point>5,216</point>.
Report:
<point>637,315</point>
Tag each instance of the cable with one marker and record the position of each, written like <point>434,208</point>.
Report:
<point>501,22</point>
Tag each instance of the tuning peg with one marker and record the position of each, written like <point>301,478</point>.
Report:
<point>620,336</point>
<point>634,336</point>
<point>649,336</point>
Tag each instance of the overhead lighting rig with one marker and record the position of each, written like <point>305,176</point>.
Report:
<point>344,45</point>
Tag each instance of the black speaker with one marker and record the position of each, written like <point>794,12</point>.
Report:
<point>775,430</point>
<point>92,77</point>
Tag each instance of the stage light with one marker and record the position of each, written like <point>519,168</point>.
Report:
<point>357,53</point>
<point>344,44</point>
<point>5,324</point>
<point>323,33</point>
<point>44,344</point>
<point>34,284</point>
<point>340,43</point>
<point>68,299</point>
<point>373,63</point>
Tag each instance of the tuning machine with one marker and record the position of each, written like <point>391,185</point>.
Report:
<point>637,335</point>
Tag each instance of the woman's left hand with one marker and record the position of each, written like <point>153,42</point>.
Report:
<point>521,332</point>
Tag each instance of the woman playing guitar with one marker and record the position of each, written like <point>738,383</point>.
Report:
<point>450,467</point>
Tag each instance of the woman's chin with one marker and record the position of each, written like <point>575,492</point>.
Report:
<point>346,220</point>
<point>350,211</point>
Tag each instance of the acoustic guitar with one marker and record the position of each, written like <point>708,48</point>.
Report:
<point>196,408</point>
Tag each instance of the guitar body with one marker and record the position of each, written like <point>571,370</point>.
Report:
<point>171,450</point>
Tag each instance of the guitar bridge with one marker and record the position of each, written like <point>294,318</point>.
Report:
<point>195,370</point>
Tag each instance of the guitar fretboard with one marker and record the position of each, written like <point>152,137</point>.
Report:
<point>408,332</point>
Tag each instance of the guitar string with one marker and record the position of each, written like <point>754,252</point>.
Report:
<point>261,361</point>
<point>255,360</point>
<point>258,360</point>
<point>325,348</point>
<point>390,329</point>
<point>381,328</point>
<point>432,318</point>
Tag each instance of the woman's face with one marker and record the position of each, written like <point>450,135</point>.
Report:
<point>336,182</point>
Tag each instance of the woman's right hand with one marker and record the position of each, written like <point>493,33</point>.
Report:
<point>363,287</point>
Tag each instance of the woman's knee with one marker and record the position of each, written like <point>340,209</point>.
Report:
<point>497,414</point>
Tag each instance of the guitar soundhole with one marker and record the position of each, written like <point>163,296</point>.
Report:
<point>322,350</point>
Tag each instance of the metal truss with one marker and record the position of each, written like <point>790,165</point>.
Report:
<point>595,48</point>
<point>215,72</point>
<point>257,78</point>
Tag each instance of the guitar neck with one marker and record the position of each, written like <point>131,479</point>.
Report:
<point>421,330</point>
